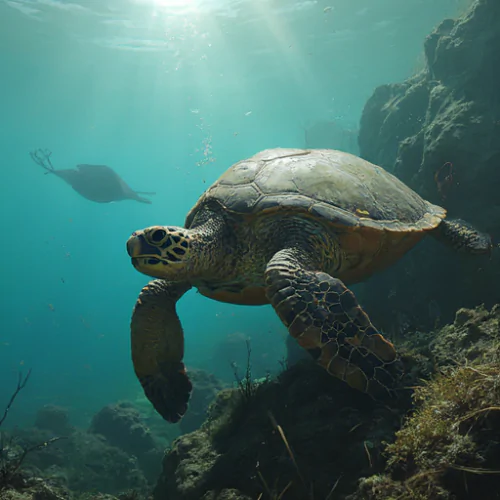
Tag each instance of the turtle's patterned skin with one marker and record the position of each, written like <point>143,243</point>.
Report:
<point>291,228</point>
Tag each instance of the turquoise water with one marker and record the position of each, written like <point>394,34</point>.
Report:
<point>169,93</point>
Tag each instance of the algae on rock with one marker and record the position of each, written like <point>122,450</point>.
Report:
<point>449,447</point>
<point>439,132</point>
<point>306,433</point>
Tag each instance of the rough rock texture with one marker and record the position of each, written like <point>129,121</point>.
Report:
<point>450,112</point>
<point>474,337</point>
<point>35,489</point>
<point>83,462</point>
<point>306,430</point>
<point>334,433</point>
<point>118,454</point>
<point>205,388</point>
<point>449,447</point>
<point>122,426</point>
<point>54,419</point>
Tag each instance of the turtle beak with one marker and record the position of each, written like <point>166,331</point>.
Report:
<point>135,244</point>
<point>141,252</point>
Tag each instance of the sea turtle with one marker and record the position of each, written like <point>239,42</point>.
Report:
<point>289,227</point>
<point>98,183</point>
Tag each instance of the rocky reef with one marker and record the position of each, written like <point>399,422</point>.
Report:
<point>206,386</point>
<point>54,419</point>
<point>53,460</point>
<point>439,131</point>
<point>287,435</point>
<point>119,455</point>
<point>302,435</point>
<point>34,488</point>
<point>449,447</point>
<point>305,435</point>
<point>82,461</point>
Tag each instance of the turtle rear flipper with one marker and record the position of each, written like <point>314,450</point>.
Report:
<point>326,319</point>
<point>158,348</point>
<point>463,237</point>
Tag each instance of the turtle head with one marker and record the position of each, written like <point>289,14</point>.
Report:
<point>161,252</point>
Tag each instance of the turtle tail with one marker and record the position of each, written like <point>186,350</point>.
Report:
<point>463,237</point>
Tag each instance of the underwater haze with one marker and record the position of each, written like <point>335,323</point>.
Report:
<point>169,94</point>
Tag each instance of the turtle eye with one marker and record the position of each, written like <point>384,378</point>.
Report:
<point>158,235</point>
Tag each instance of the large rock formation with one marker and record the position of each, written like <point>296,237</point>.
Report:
<point>308,435</point>
<point>305,428</point>
<point>439,132</point>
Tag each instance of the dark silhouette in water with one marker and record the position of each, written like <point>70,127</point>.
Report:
<point>98,183</point>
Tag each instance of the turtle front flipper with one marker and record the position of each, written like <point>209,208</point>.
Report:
<point>326,319</point>
<point>463,237</point>
<point>158,348</point>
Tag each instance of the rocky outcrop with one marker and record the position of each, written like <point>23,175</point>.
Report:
<point>449,447</point>
<point>439,132</point>
<point>53,419</point>
<point>117,454</point>
<point>35,489</point>
<point>303,430</point>
<point>122,426</point>
<point>205,388</point>
<point>307,431</point>
<point>81,463</point>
